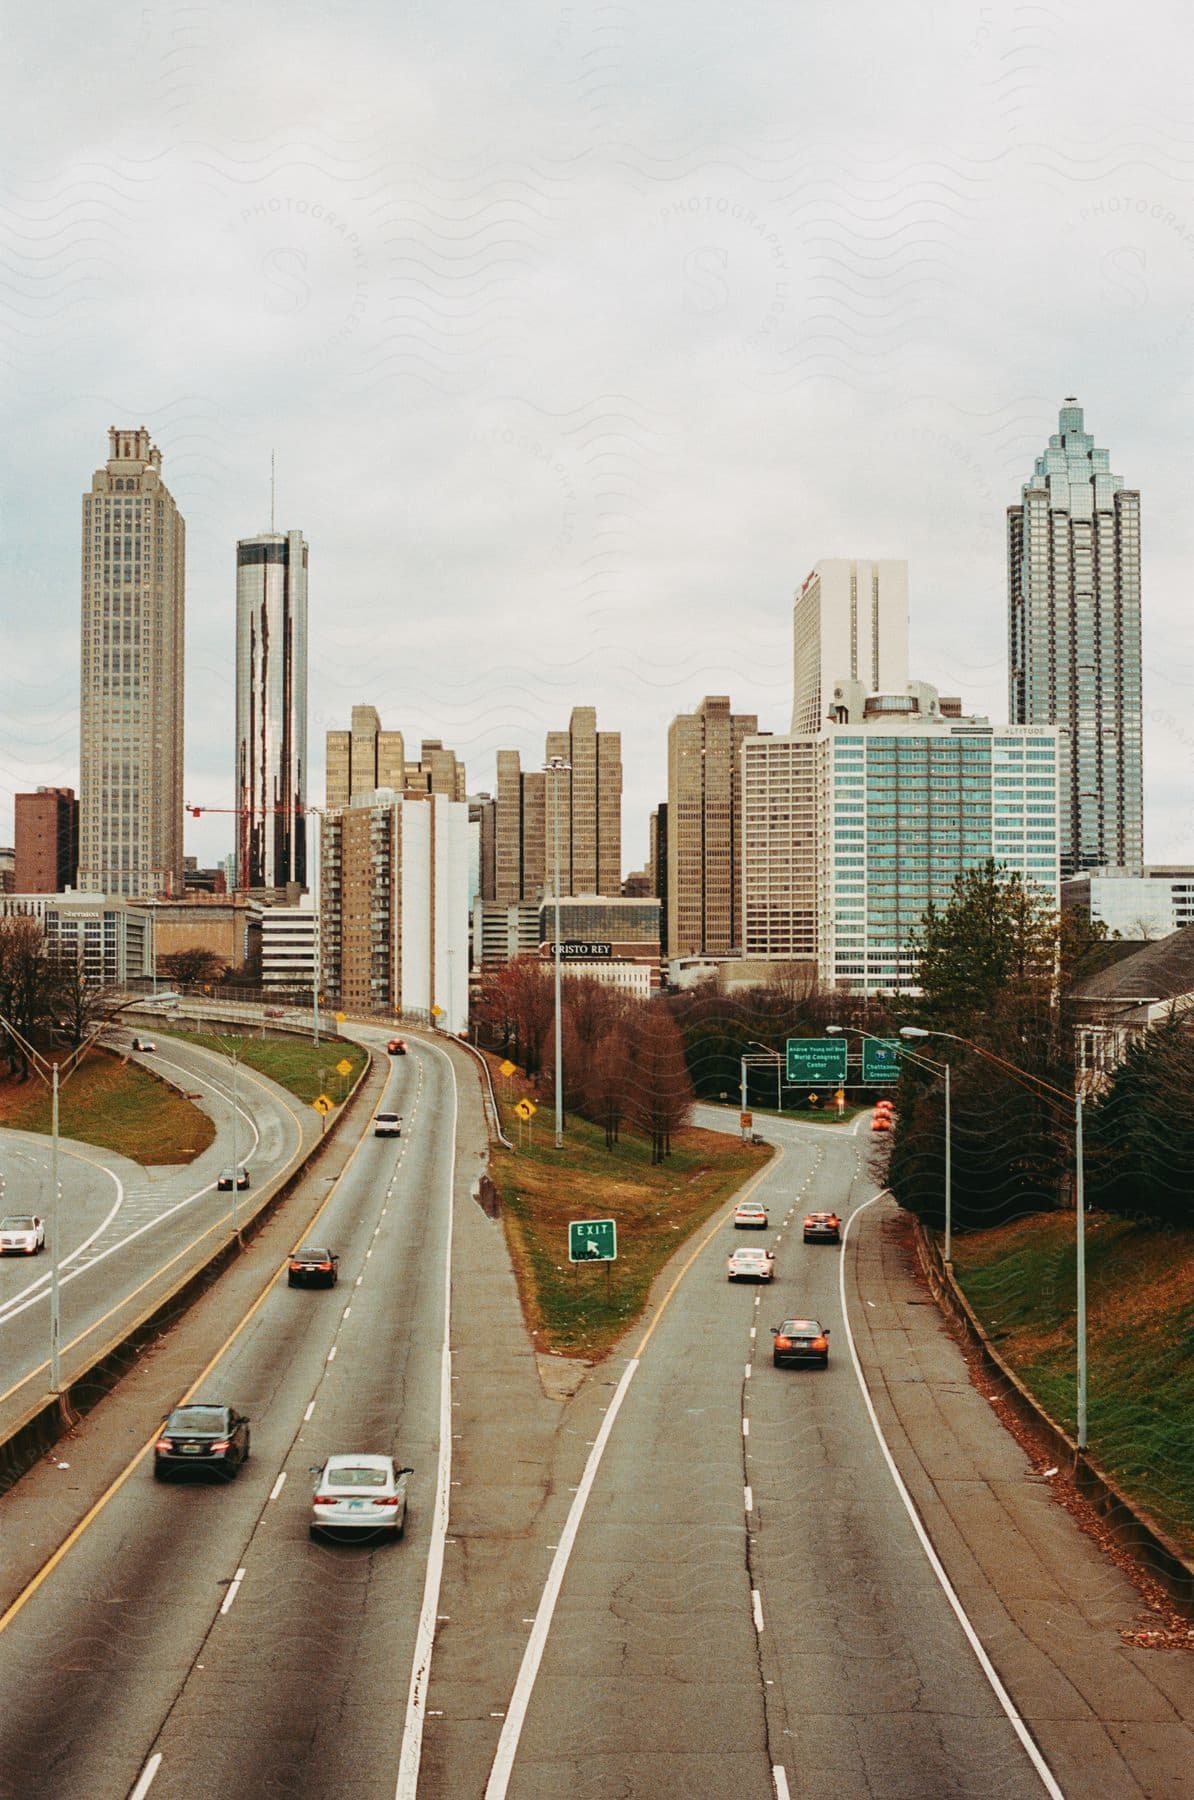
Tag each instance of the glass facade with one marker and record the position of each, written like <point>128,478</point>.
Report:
<point>271,710</point>
<point>1074,640</point>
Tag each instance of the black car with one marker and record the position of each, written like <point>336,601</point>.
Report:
<point>229,1179</point>
<point>800,1341</point>
<point>202,1437</point>
<point>313,1267</point>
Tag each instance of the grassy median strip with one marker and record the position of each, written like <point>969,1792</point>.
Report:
<point>115,1106</point>
<point>304,1069</point>
<point>582,1310</point>
<point>1020,1279</point>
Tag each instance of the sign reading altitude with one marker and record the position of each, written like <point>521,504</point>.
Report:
<point>819,1062</point>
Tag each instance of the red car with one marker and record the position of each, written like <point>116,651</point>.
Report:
<point>397,1046</point>
<point>881,1122</point>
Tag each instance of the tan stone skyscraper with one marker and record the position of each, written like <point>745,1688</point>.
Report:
<point>363,759</point>
<point>583,801</point>
<point>704,828</point>
<point>131,690</point>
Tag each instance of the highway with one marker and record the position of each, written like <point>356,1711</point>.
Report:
<point>127,1232</point>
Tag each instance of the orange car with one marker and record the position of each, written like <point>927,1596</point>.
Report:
<point>822,1228</point>
<point>884,1106</point>
<point>397,1046</point>
<point>881,1122</point>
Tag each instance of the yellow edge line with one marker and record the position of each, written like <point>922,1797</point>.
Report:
<point>114,1488</point>
<point>739,1195</point>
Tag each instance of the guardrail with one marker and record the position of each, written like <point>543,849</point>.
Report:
<point>493,1117</point>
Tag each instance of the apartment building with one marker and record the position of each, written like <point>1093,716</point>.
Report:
<point>704,828</point>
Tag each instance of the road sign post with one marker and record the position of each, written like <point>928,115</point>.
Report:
<point>592,1240</point>
<point>816,1062</point>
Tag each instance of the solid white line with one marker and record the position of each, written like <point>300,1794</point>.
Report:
<point>147,1774</point>
<point>503,1762</point>
<point>278,1485</point>
<point>779,1777</point>
<point>420,1674</point>
<point>756,1607</point>
<point>233,1590</point>
<point>972,1637</point>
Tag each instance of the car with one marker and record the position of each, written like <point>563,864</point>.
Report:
<point>387,1124</point>
<point>313,1266</point>
<point>822,1228</point>
<point>800,1341</point>
<point>885,1106</point>
<point>750,1215</point>
<point>360,1493</point>
<point>22,1234</point>
<point>144,1044</point>
<point>202,1435</point>
<point>881,1122</point>
<point>751,1265</point>
<point>397,1046</point>
<point>229,1178</point>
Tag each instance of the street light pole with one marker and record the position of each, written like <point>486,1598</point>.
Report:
<point>556,766</point>
<point>926,1062</point>
<point>55,1313</point>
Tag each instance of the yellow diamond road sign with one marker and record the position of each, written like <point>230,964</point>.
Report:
<point>344,1067</point>
<point>340,1018</point>
<point>322,1104</point>
<point>437,1012</point>
<point>506,1068</point>
<point>525,1109</point>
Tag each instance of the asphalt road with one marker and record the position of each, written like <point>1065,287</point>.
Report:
<point>123,1653</point>
<point>126,1232</point>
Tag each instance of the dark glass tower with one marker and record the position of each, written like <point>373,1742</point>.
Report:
<point>1073,553</point>
<point>271,710</point>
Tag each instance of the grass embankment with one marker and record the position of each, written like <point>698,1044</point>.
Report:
<point>304,1069</point>
<point>1020,1279</point>
<point>116,1106</point>
<point>568,1306</point>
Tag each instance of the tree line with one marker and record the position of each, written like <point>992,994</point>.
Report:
<point>44,990</point>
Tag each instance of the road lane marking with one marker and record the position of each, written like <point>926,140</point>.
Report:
<point>233,1591</point>
<point>779,1777</point>
<point>747,1372</point>
<point>411,1752</point>
<point>746,1427</point>
<point>756,1607</point>
<point>11,1308</point>
<point>147,1774</point>
<point>987,1666</point>
<point>748,1496</point>
<point>331,1357</point>
<point>309,1411</point>
<point>278,1486</point>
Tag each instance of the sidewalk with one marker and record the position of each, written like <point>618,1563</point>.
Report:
<point>1113,1720</point>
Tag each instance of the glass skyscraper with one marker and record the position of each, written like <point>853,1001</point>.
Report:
<point>271,709</point>
<point>1074,640</point>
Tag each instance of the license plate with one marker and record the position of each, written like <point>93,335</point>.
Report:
<point>191,1449</point>
<point>356,1505</point>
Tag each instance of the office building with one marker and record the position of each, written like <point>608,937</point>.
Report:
<point>704,829</point>
<point>271,710</point>
<point>1150,902</point>
<point>438,771</point>
<point>849,623</point>
<point>364,759</point>
<point>8,869</point>
<point>131,690</point>
<point>223,924</point>
<point>288,948</point>
<point>46,859</point>
<point>580,803</point>
<point>111,938</point>
<point>849,834</point>
<point>1073,557</point>
<point>394,913</point>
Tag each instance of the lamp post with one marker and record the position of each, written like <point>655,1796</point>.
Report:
<point>553,769</point>
<point>1056,1093</point>
<point>779,1067</point>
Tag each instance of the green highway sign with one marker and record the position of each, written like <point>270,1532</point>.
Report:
<point>592,1240</point>
<point>816,1062</point>
<point>880,1059</point>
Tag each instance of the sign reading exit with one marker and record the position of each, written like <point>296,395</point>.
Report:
<point>592,1240</point>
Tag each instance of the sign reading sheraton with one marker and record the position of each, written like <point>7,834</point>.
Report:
<point>579,950</point>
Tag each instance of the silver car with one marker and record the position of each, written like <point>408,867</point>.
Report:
<point>21,1234</point>
<point>359,1493</point>
<point>387,1124</point>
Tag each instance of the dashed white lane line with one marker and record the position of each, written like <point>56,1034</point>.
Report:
<point>278,1486</point>
<point>147,1774</point>
<point>233,1590</point>
<point>746,1372</point>
<point>309,1411</point>
<point>332,1354</point>
<point>988,1668</point>
<point>780,1779</point>
<point>749,1497</point>
<point>756,1607</point>
<point>746,1427</point>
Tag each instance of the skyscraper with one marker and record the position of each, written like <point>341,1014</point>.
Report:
<point>271,709</point>
<point>47,841</point>
<point>131,688</point>
<point>849,623</point>
<point>364,758</point>
<point>584,800</point>
<point>1073,559</point>
<point>704,828</point>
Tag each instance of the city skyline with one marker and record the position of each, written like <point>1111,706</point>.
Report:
<point>571,383</point>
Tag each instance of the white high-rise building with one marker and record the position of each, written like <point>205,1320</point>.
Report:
<point>849,623</point>
<point>271,709</point>
<point>131,686</point>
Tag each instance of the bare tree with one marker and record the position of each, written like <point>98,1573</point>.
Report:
<point>26,985</point>
<point>81,1002</point>
<point>659,1092</point>
<point>194,964</point>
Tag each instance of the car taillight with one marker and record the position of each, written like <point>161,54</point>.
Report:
<point>783,1343</point>
<point>296,1266</point>
<point>388,1500</point>
<point>820,1343</point>
<point>224,1444</point>
<point>325,1499</point>
<point>164,1444</point>
<point>323,1265</point>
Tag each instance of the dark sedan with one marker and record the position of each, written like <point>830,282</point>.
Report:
<point>313,1266</point>
<point>202,1437</point>
<point>232,1178</point>
<point>800,1341</point>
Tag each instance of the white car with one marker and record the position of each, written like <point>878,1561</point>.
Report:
<point>21,1234</point>
<point>359,1493</point>
<point>387,1124</point>
<point>749,1215</point>
<point>144,1044</point>
<point>751,1265</point>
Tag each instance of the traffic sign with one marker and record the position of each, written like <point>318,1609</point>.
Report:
<point>881,1059</point>
<point>506,1068</point>
<point>323,1104</point>
<point>344,1067</point>
<point>340,1018</point>
<point>437,1012</point>
<point>592,1240</point>
<point>818,1061</point>
<point>746,1120</point>
<point>526,1109</point>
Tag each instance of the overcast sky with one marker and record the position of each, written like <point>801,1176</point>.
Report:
<point>581,332</point>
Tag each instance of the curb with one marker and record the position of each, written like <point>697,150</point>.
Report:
<point>51,1417</point>
<point>1131,1527</point>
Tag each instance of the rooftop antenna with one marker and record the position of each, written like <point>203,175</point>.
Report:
<point>271,491</point>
